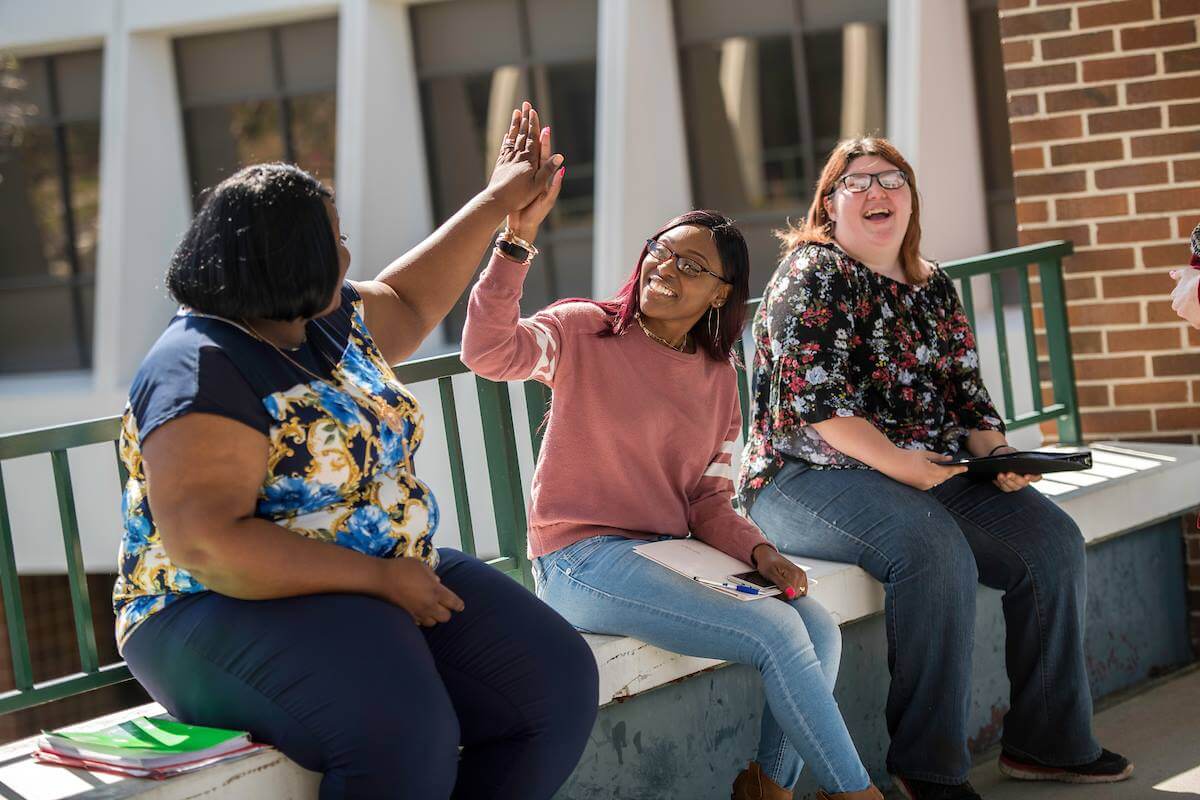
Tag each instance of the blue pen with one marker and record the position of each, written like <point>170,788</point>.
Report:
<point>733,587</point>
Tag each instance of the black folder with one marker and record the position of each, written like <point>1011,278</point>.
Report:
<point>1027,463</point>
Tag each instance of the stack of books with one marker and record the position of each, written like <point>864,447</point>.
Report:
<point>144,747</point>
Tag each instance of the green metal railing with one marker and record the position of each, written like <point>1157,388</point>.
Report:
<point>502,460</point>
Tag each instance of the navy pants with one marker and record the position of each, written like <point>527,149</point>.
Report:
<point>350,686</point>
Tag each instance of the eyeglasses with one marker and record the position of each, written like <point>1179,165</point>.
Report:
<point>861,181</point>
<point>661,253</point>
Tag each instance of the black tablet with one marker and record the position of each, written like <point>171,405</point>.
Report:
<point>1031,462</point>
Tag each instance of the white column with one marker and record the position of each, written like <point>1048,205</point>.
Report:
<point>932,119</point>
<point>144,199</point>
<point>382,182</point>
<point>641,153</point>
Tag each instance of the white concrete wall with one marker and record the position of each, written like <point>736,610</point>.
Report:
<point>383,193</point>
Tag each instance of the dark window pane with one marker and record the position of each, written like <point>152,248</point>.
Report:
<point>466,35</point>
<point>571,111</point>
<point>314,134</point>
<point>37,330</point>
<point>706,20</point>
<point>309,56</point>
<point>225,66</point>
<point>83,165</point>
<point>78,83</point>
<point>224,138</point>
<point>563,29</point>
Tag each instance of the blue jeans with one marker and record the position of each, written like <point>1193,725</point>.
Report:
<point>930,549</point>
<point>348,685</point>
<point>601,586</point>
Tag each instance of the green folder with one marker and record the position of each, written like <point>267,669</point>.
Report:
<point>146,742</point>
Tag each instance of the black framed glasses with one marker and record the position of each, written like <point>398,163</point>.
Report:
<point>857,182</point>
<point>661,253</point>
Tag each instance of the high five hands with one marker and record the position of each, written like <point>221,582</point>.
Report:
<point>527,178</point>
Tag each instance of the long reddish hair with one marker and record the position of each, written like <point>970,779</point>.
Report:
<point>735,259</point>
<point>817,227</point>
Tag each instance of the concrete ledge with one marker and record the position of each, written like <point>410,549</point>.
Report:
<point>1132,486</point>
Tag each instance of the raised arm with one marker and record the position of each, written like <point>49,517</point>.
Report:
<point>416,291</point>
<point>203,473</point>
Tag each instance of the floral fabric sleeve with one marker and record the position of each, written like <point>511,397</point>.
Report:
<point>810,321</point>
<point>966,396</point>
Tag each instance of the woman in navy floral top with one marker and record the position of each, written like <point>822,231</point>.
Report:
<point>278,572</point>
<point>867,386</point>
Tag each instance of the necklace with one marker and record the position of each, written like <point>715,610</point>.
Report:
<point>393,417</point>
<point>678,348</point>
<point>384,411</point>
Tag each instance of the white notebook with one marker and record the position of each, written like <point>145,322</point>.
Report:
<point>694,559</point>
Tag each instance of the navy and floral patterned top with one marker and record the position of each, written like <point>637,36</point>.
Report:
<point>835,339</point>
<point>336,470</point>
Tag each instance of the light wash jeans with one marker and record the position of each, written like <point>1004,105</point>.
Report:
<point>601,586</point>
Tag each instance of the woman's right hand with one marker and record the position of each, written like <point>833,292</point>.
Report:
<point>1185,298</point>
<point>415,587</point>
<point>924,470</point>
<point>522,171</point>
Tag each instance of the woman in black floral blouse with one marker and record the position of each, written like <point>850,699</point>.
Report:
<point>866,386</point>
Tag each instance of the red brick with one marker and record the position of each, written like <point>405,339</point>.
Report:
<point>1116,13</point>
<point>1045,75</point>
<point>1193,336</point>
<point>1098,369</point>
<point>1138,119</point>
<point>1022,105</point>
<point>1178,364</point>
<point>1179,8</point>
<point>1144,394</point>
<point>1075,99</point>
<point>1167,200</point>
<point>1085,44</point>
<point>1087,342</point>
<point>1187,170</point>
<point>1079,288</point>
<point>1165,144</point>
<point>1115,69</point>
<point>1139,284</point>
<point>1032,211</point>
<point>1087,314</point>
<point>1133,230</point>
<point>1158,311</point>
<point>1088,396</point>
<point>1017,52</point>
<point>1086,152</point>
<point>1184,225</point>
<point>1108,205</point>
<point>1115,421</point>
<point>1144,339</point>
<point>1039,22</point>
<point>1024,158</point>
<point>1039,130</point>
<point>1005,5</point>
<point>1099,260</point>
<point>1133,175</point>
<point>1162,89</point>
<point>1165,255</point>
<point>1178,419</point>
<point>1050,183</point>
<point>1184,114</point>
<point>1182,60</point>
<point>1078,234</point>
<point>1158,36</point>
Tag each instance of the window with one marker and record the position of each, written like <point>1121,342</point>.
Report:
<point>266,94</point>
<point>541,50</point>
<point>991,99</point>
<point>769,88</point>
<point>49,204</point>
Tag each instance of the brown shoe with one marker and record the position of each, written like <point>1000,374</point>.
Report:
<point>869,793</point>
<point>751,784</point>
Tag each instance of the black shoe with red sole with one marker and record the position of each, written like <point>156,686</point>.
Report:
<point>1108,768</point>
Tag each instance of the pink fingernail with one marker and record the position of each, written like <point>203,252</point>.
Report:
<point>562,173</point>
<point>790,592</point>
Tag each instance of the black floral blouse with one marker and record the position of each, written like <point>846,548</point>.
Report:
<point>834,339</point>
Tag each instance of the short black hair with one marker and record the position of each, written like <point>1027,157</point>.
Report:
<point>261,246</point>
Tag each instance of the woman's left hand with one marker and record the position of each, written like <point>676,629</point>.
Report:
<point>525,222</point>
<point>780,571</point>
<point>1012,481</point>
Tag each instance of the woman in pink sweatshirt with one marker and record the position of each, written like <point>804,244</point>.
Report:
<point>638,447</point>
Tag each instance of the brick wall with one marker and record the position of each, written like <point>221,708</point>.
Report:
<point>1104,115</point>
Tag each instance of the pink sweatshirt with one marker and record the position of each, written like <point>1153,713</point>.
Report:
<point>640,437</point>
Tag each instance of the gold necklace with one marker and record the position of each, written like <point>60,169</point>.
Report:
<point>679,348</point>
<point>390,415</point>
